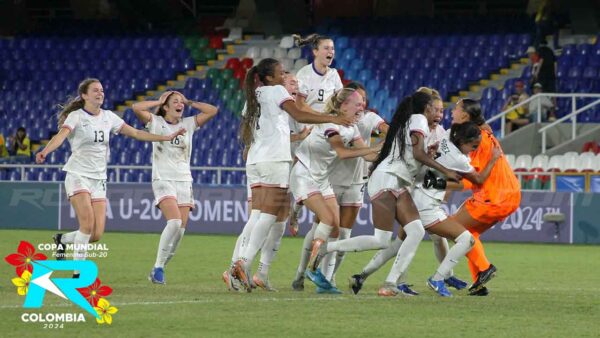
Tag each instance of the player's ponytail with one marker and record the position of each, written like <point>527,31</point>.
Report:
<point>74,103</point>
<point>461,133</point>
<point>335,101</point>
<point>255,77</point>
<point>396,136</point>
<point>313,40</point>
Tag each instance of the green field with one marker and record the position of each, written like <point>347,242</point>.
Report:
<point>540,291</point>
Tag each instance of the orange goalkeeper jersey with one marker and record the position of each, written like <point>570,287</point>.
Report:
<point>502,185</point>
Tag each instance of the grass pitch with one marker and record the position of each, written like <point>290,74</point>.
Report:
<point>540,291</point>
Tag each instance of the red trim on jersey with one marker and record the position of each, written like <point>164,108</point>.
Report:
<point>351,205</point>
<point>302,94</point>
<point>121,127</point>
<point>379,124</point>
<point>68,127</point>
<point>331,132</point>
<point>418,131</point>
<point>396,193</point>
<point>165,198</point>
<point>94,200</point>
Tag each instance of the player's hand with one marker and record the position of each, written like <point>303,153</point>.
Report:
<point>496,152</point>
<point>452,175</point>
<point>181,131</point>
<point>377,148</point>
<point>305,132</point>
<point>163,98</point>
<point>40,157</point>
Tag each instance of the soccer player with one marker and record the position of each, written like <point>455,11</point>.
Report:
<point>393,173</point>
<point>349,182</point>
<point>493,201</point>
<point>316,157</point>
<point>88,128</point>
<point>171,174</point>
<point>265,131</point>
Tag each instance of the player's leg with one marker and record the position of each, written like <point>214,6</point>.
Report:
<point>451,229</point>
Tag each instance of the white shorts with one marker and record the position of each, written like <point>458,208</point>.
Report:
<point>303,185</point>
<point>267,174</point>
<point>349,196</point>
<point>75,184</point>
<point>180,191</point>
<point>381,181</point>
<point>430,209</point>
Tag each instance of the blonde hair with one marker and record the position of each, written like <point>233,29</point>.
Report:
<point>75,103</point>
<point>435,95</point>
<point>335,101</point>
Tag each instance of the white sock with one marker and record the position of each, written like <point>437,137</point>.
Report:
<point>244,237</point>
<point>440,246</point>
<point>464,243</point>
<point>328,262</point>
<point>257,238</point>
<point>380,240</point>
<point>270,248</point>
<point>175,244</point>
<point>166,240</point>
<point>69,237</point>
<point>306,249</point>
<point>414,235</point>
<point>80,248</point>
<point>344,234</point>
<point>323,231</point>
<point>382,257</point>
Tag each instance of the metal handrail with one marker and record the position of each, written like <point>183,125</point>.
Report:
<point>573,96</point>
<point>118,169</point>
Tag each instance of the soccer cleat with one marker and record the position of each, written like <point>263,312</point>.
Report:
<point>316,254</point>
<point>240,274</point>
<point>75,275</point>
<point>438,286</point>
<point>388,290</point>
<point>298,284</point>
<point>356,283</point>
<point>482,278</point>
<point>318,278</point>
<point>332,291</point>
<point>60,248</point>
<point>157,276</point>
<point>229,281</point>
<point>455,283</point>
<point>481,292</point>
<point>406,290</point>
<point>263,284</point>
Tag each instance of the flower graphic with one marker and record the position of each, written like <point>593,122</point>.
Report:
<point>23,258</point>
<point>105,311</point>
<point>95,291</point>
<point>22,283</point>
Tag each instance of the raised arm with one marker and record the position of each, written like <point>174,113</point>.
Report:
<point>55,142</point>
<point>142,110</point>
<point>309,117</point>
<point>208,111</point>
<point>141,135</point>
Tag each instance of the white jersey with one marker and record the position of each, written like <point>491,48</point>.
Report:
<point>171,159</point>
<point>316,153</point>
<point>355,170</point>
<point>436,136</point>
<point>315,87</point>
<point>296,128</point>
<point>272,133</point>
<point>408,168</point>
<point>452,158</point>
<point>89,139</point>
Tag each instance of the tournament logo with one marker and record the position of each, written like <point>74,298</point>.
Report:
<point>35,277</point>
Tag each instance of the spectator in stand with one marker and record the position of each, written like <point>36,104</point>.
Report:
<point>19,144</point>
<point>534,61</point>
<point>519,116</point>
<point>546,72</point>
<point>545,104</point>
<point>546,22</point>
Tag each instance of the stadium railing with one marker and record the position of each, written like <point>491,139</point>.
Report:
<point>117,168</point>
<point>571,116</point>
